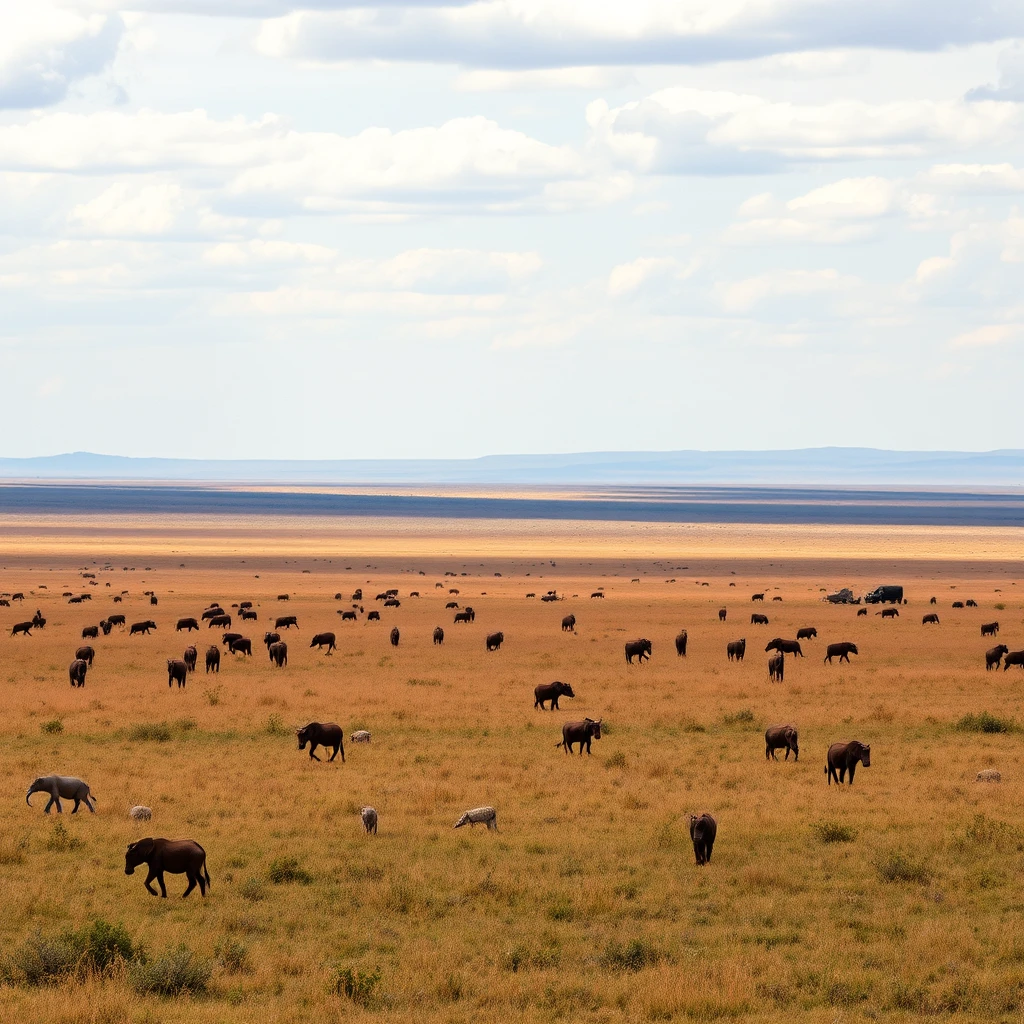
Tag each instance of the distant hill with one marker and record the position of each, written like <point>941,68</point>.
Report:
<point>803,466</point>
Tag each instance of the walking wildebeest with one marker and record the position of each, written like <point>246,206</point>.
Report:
<point>438,635</point>
<point>550,691</point>
<point>463,617</point>
<point>140,627</point>
<point>958,604</point>
<point>245,604</point>
<point>581,733</point>
<point>369,818</point>
<point>212,611</point>
<point>77,670</point>
<point>86,654</point>
<point>994,654</point>
<point>282,597</point>
<point>279,653</point>
<point>321,734</point>
<point>116,620</point>
<point>806,633</point>
<point>568,623</point>
<point>347,616</point>
<point>392,602</point>
<point>190,657</point>
<point>324,639</point>
<point>702,832</point>
<point>227,639</point>
<point>395,636</point>
<point>721,614</point>
<point>990,629</point>
<point>889,613</point>
<point>213,659</point>
<point>758,620</point>
<point>38,621</point>
<point>778,736</point>
<point>373,617</point>
<point>639,649</point>
<point>785,646</point>
<point>451,604</point>
<point>58,786</point>
<point>247,615</point>
<point>681,643</point>
<point>971,603</point>
<point>286,622</point>
<point>843,758</point>
<point>243,645</point>
<point>757,597</point>
<point>219,620</point>
<point>597,593</point>
<point>90,631</point>
<point>175,856</point>
<point>842,651</point>
<point>271,638</point>
<point>930,617</point>
<point>777,666</point>
<point>494,641</point>
<point>177,672</point>
<point>186,624</point>
<point>862,611</point>
<point>26,627</point>
<point>736,649</point>
<point>1013,658</point>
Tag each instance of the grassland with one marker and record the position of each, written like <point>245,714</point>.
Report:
<point>895,897</point>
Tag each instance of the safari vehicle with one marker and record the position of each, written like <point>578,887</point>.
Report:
<point>888,594</point>
<point>844,596</point>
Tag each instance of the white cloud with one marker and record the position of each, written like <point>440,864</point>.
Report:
<point>989,334</point>
<point>130,208</point>
<point>977,179</point>
<point>543,79</point>
<point>743,295</point>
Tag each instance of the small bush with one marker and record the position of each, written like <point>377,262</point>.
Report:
<point>104,944</point>
<point>42,960</point>
<point>633,956</point>
<point>275,726</point>
<point>176,972</point>
<point>898,867</point>
<point>999,606</point>
<point>451,990</point>
<point>423,682</point>
<point>252,890</point>
<point>691,725</point>
<point>617,760</point>
<point>213,696</point>
<point>233,957</point>
<point>834,832</point>
<point>185,725</point>
<point>745,717</point>
<point>287,869</point>
<point>985,722</point>
<point>355,985</point>
<point>61,840</point>
<point>52,727</point>
<point>159,732</point>
<point>561,909</point>
<point>12,851</point>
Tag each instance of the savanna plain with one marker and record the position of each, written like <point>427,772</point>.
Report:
<point>896,897</point>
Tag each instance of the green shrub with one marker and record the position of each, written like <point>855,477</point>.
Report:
<point>96,947</point>
<point>633,956</point>
<point>899,867</point>
<point>834,832</point>
<point>176,972</point>
<point>451,990</point>
<point>985,722</point>
<point>185,725</point>
<point>287,869</point>
<point>356,985</point>
<point>159,732</point>
<point>52,727</point>
<point>212,695</point>
<point>104,944</point>
<point>252,890</point>
<point>745,717</point>
<point>233,956</point>
<point>61,840</point>
<point>275,726</point>
<point>999,606</point>
<point>617,760</point>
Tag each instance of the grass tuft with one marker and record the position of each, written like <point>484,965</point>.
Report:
<point>53,727</point>
<point>900,867</point>
<point>985,722</point>
<point>287,869</point>
<point>833,832</point>
<point>178,971</point>
<point>354,985</point>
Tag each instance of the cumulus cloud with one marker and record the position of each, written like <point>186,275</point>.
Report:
<point>974,179</point>
<point>130,208</point>
<point>987,335</point>
<point>743,295</point>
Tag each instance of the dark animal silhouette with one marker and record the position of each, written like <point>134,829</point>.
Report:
<point>77,670</point>
<point>321,734</point>
<point>930,617</point>
<point>757,597</point>
<point>247,615</point>
<point>778,736</point>
<point>438,635</point>
<point>91,631</point>
<point>357,595</point>
<point>736,649</point>
<point>703,831</point>
<point>933,601</point>
<point>785,647</point>
<point>990,629</point>
<point>190,657</point>
<point>115,620</point>
<point>568,623</point>
<point>889,613</point>
<point>282,597</point>
<point>38,622</point>
<point>86,654</point>
<point>639,649</point>
<point>220,621</point>
<point>681,643</point>
<point>777,667</point>
<point>227,639</point>
<point>141,627</point>
<point>213,611</point>
<point>994,654</point>
<point>186,624</point>
<point>152,599</point>
<point>452,604</point>
<point>106,626</point>
<point>1013,658</point>
<point>844,757</point>
<point>213,659</point>
<point>245,604</point>
<point>243,645</point>
<point>26,628</point>
<point>392,602</point>
<point>862,611</point>
<point>494,641</point>
<point>722,612</point>
<point>550,692</point>
<point>324,640</point>
<point>347,616</point>
<point>278,653</point>
<point>271,638</point>
<point>842,651</point>
<point>597,593</point>
<point>958,604</point>
<point>175,856</point>
<point>971,603</point>
<point>286,622</point>
<point>758,620</point>
<point>177,672</point>
<point>395,636</point>
<point>373,617</point>
<point>806,633</point>
<point>581,733</point>
<point>463,617</point>
<point>776,598</point>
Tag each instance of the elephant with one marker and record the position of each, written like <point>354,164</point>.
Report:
<point>66,786</point>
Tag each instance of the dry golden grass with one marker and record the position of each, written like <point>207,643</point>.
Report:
<point>587,904</point>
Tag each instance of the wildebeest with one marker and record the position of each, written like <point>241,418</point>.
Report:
<point>479,816</point>
<point>176,856</point>
<point>1013,658</point>
<point>220,620</point>
<point>357,595</point>
<point>453,591</point>
<point>758,620</point>
<point>463,617</point>
<point>140,627</point>
<point>889,613</point>
<point>243,645</point>
<point>115,620</point>
<point>581,733</point>
<point>245,604</point>
<point>282,597</point>
<point>347,616</point>
<point>18,597</point>
<point>785,646</point>
<point>26,628</point>
<point>369,818</point>
<point>757,597</point>
<point>778,736</point>
<point>321,734</point>
<point>451,604</point>
<point>703,830</point>
<point>271,638</point>
<point>990,629</point>
<point>776,598</point>
<point>190,657</point>
<point>931,617</point>
<point>806,633</point>
<point>286,622</point>
<point>862,611</point>
<point>61,786</point>
<point>212,611</point>
<point>248,614</point>
<point>74,600</point>
<point>395,636</point>
<point>844,757</point>
<point>227,639</point>
<point>177,672</point>
<point>494,641</point>
<point>86,654</point>
<point>37,620</point>
<point>186,624</point>
<point>597,593</point>
<point>392,602</point>
<point>681,643</point>
<point>550,691</point>
<point>91,631</point>
<point>639,649</point>
<point>971,603</point>
<point>736,649</point>
<point>77,670</point>
<point>933,601</point>
<point>279,653</point>
<point>993,655</point>
<point>152,599</point>
<point>722,612</point>
<point>373,617</point>
<point>958,604</point>
<point>777,666</point>
<point>322,640</point>
<point>438,635</point>
<point>842,651</point>
<point>213,659</point>
<point>568,623</point>
<point>106,625</point>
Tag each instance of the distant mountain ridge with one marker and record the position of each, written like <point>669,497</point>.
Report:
<point>802,466</point>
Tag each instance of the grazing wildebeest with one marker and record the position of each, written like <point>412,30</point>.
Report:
<point>971,603</point>
<point>639,649</point>
<point>757,597</point>
<point>220,620</point>
<point>4,603</point>
<point>681,643</point>
<point>247,614</point>
<point>1013,658</point>
<point>77,670</point>
<point>26,628</point>
<point>479,816</point>
<point>785,646</point>
<point>347,616</point>
<point>227,639</point>
<point>597,593</point>
<point>190,657</point>
<point>392,602</point>
<point>74,600</point>
<point>282,597</point>
<point>86,654</point>
<point>453,591</point>
<point>177,672</point>
<point>212,611</point>
<point>931,617</point>
<point>568,623</point>
<point>17,597</point>
<point>369,818</point>
<point>842,651</point>
<point>373,617</point>
<point>58,786</point>
<point>758,620</point>
<point>994,654</point>
<point>581,733</point>
<point>463,617</point>
<point>152,599</point>
<point>990,629</point>
<point>106,625</point>
<point>777,666</point>
<point>889,613</point>
<point>321,734</point>
<point>245,604</point>
<point>92,631</point>
<point>213,659</point>
<point>391,592</point>
<point>118,599</point>
<point>933,601</point>
<point>116,620</point>
<point>452,604</point>
<point>862,611</point>
<point>271,638</point>
<point>176,856</point>
<point>395,636</point>
<point>438,635</point>
<point>279,653</point>
<point>806,633</point>
<point>722,612</point>
<point>702,832</point>
<point>550,691</point>
<point>844,757</point>
<point>736,649</point>
<point>140,627</point>
<point>186,624</point>
<point>958,604</point>
<point>778,736</point>
<point>324,639</point>
<point>241,646</point>
<point>357,595</point>
<point>286,622</point>
<point>494,641</point>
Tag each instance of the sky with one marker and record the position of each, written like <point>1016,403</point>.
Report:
<point>418,228</point>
